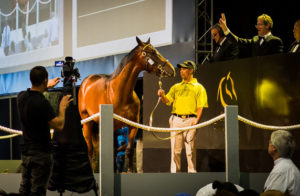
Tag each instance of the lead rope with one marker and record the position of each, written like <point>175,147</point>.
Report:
<point>158,101</point>
<point>151,115</point>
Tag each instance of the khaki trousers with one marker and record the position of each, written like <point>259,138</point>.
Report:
<point>188,138</point>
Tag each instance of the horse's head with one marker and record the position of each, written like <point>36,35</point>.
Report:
<point>154,61</point>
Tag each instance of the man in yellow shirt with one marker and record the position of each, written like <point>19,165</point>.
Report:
<point>188,98</point>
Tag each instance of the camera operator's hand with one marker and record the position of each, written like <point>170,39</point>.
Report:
<point>58,122</point>
<point>53,82</point>
<point>65,102</point>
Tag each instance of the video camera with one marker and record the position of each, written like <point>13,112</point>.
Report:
<point>70,76</point>
<point>68,71</point>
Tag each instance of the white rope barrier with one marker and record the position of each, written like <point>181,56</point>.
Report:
<point>28,11</point>
<point>44,2</point>
<point>8,136</point>
<point>88,119</point>
<point>160,129</point>
<point>268,127</point>
<point>157,129</point>
<point>6,15</point>
<point>15,133</point>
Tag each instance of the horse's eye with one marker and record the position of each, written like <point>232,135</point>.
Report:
<point>154,52</point>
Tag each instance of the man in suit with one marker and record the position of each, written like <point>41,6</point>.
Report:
<point>295,46</point>
<point>262,44</point>
<point>226,49</point>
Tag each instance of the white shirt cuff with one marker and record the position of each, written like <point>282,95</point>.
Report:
<point>227,32</point>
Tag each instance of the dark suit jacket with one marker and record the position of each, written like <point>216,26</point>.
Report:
<point>292,47</point>
<point>228,51</point>
<point>271,45</point>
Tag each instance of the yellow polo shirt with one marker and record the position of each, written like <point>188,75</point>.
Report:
<point>187,97</point>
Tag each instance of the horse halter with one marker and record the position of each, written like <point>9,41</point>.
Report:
<point>152,62</point>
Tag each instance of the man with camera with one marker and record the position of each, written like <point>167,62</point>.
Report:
<point>37,116</point>
<point>72,170</point>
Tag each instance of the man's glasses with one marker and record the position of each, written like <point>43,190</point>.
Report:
<point>259,25</point>
<point>214,34</point>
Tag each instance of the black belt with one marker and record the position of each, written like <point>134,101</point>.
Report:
<point>184,116</point>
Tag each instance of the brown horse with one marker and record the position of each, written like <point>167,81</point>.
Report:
<point>118,89</point>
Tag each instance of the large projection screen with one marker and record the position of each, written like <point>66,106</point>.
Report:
<point>31,31</point>
<point>38,32</point>
<point>106,27</point>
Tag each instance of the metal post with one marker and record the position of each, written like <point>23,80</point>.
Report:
<point>203,24</point>
<point>37,12</point>
<point>211,24</point>
<point>0,21</point>
<point>17,15</point>
<point>196,32</point>
<point>27,14</point>
<point>106,160</point>
<point>10,126</point>
<point>55,8</point>
<point>232,145</point>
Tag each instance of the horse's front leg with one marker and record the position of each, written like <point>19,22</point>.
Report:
<point>130,149</point>
<point>95,155</point>
<point>87,133</point>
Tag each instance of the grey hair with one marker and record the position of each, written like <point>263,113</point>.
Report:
<point>283,142</point>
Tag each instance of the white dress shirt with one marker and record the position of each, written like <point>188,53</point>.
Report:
<point>295,48</point>
<point>208,190</point>
<point>285,176</point>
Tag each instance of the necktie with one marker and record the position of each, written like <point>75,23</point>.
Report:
<point>296,46</point>
<point>261,40</point>
<point>218,48</point>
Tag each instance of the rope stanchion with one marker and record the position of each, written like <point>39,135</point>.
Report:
<point>267,127</point>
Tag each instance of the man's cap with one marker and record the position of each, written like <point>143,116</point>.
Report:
<point>187,64</point>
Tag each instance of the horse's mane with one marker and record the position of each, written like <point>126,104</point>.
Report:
<point>123,63</point>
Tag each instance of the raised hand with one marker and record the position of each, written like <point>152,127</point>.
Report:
<point>53,82</point>
<point>65,102</point>
<point>222,22</point>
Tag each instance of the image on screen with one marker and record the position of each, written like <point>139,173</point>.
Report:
<point>107,27</point>
<point>30,31</point>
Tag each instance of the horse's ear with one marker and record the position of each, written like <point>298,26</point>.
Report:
<point>148,41</point>
<point>139,41</point>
